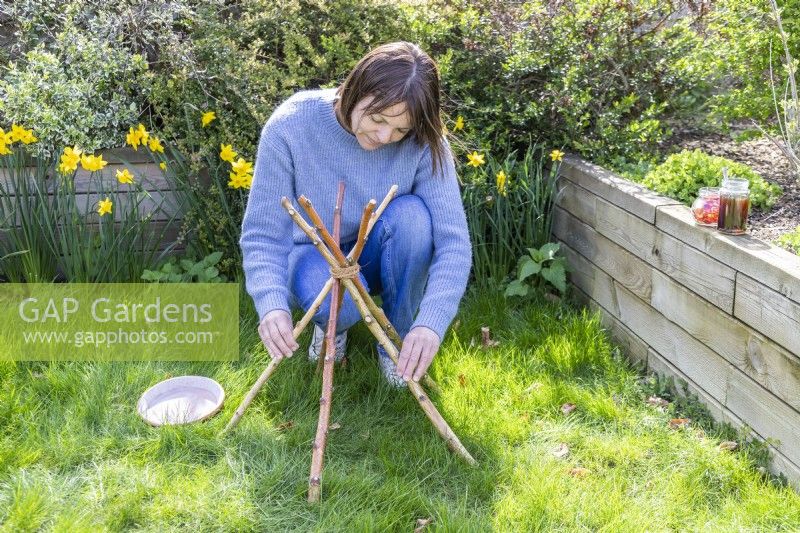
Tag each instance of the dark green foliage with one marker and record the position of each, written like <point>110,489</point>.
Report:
<point>682,175</point>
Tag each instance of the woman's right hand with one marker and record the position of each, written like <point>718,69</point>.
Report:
<point>276,333</point>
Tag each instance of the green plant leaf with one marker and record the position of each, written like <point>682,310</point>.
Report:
<point>557,276</point>
<point>516,288</point>
<point>528,267</point>
<point>550,249</point>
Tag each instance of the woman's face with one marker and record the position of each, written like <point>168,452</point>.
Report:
<point>377,129</point>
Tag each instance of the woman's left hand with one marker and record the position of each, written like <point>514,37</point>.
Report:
<point>419,347</point>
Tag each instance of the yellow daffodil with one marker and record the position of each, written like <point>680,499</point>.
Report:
<point>162,166</point>
<point>92,163</point>
<point>155,145</point>
<point>240,181</point>
<point>459,125</point>
<point>142,132</point>
<point>18,133</point>
<point>104,206</point>
<point>124,176</point>
<point>5,140</point>
<point>242,167</point>
<point>226,153</point>
<point>69,160</point>
<point>556,155</point>
<point>134,138</point>
<point>208,116</point>
<point>475,159</point>
<point>501,182</point>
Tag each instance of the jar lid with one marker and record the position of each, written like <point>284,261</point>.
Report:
<point>735,184</point>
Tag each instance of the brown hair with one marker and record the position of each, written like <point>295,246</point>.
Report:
<point>393,73</point>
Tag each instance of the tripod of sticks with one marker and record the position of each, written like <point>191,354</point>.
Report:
<point>344,272</point>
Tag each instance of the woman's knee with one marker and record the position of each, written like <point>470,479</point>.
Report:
<point>409,221</point>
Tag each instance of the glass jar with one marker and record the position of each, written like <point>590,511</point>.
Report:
<point>706,208</point>
<point>734,206</point>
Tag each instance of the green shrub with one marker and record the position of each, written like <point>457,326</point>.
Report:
<point>594,77</point>
<point>681,175</point>
<point>790,241</point>
<point>78,91</point>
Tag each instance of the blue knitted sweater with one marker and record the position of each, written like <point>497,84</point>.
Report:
<point>304,150</point>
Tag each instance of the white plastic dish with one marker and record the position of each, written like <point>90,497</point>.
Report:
<point>181,400</point>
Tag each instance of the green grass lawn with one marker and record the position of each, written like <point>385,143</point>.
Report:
<point>74,456</point>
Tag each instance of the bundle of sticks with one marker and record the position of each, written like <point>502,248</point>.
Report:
<point>344,274</point>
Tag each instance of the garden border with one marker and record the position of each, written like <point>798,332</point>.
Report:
<point>720,312</point>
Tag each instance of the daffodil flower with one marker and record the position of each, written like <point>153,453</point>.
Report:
<point>475,159</point>
<point>459,125</point>
<point>70,159</point>
<point>242,167</point>
<point>162,166</point>
<point>155,145</point>
<point>208,116</point>
<point>501,182</point>
<point>226,153</point>
<point>240,181</point>
<point>124,176</point>
<point>556,155</point>
<point>134,138</point>
<point>104,206</point>
<point>18,133</point>
<point>92,163</point>
<point>142,132</point>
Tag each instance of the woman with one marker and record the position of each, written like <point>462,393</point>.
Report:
<point>382,126</point>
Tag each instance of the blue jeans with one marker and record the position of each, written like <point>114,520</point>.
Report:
<point>394,264</point>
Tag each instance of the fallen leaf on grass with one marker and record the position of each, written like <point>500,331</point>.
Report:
<point>657,402</point>
<point>335,426</point>
<point>728,445</point>
<point>567,408</point>
<point>579,472</point>
<point>462,380</point>
<point>679,423</point>
<point>560,451</point>
<point>289,424</point>
<point>486,339</point>
<point>422,523</point>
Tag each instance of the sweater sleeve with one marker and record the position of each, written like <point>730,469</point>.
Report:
<point>266,238</point>
<point>452,251</point>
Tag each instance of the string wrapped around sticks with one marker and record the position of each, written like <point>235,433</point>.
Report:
<point>344,275</point>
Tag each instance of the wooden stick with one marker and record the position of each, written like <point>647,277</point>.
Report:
<point>318,448</point>
<point>300,326</point>
<point>335,254</point>
<point>430,410</point>
<point>363,228</point>
<point>273,364</point>
<point>351,284</point>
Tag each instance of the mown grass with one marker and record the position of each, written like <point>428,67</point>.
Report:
<point>75,457</point>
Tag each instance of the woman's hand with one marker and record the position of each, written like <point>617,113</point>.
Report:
<point>276,333</point>
<point>419,347</point>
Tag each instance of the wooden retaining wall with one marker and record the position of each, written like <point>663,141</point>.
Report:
<point>720,312</point>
